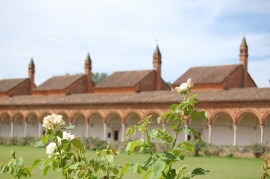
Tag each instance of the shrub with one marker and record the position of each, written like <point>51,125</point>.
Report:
<point>258,150</point>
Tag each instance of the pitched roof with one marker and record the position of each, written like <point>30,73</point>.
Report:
<point>124,79</point>
<point>244,95</point>
<point>8,84</point>
<point>207,75</point>
<point>58,83</point>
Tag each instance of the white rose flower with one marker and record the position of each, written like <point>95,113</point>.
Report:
<point>189,82</point>
<point>184,86</point>
<point>53,121</point>
<point>50,149</point>
<point>68,136</point>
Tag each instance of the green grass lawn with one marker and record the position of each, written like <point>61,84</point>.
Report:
<point>220,168</point>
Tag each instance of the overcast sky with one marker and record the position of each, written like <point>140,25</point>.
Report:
<point>121,35</point>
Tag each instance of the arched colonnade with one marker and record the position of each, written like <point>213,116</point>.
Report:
<point>224,127</point>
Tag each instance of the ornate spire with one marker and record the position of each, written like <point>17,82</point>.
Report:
<point>157,66</point>
<point>31,65</point>
<point>157,51</point>
<point>88,73</point>
<point>88,60</point>
<point>244,43</point>
<point>31,73</point>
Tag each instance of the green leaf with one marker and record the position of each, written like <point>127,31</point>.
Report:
<point>153,133</point>
<point>74,166</point>
<point>149,174</point>
<point>131,146</point>
<point>77,144</point>
<point>204,115</point>
<point>124,170</point>
<point>110,158</point>
<point>38,144</point>
<point>194,115</point>
<point>158,167</point>
<point>3,168</point>
<point>131,130</point>
<point>134,167</point>
<point>19,162</point>
<point>59,134</point>
<point>70,127</point>
<point>46,170</point>
<point>175,108</point>
<point>45,139</point>
<point>187,130</point>
<point>115,170</point>
<point>13,153</point>
<point>199,171</point>
<point>187,146</point>
<point>171,174</point>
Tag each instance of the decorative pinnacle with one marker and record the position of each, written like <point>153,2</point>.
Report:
<point>88,60</point>
<point>157,51</point>
<point>31,64</point>
<point>243,43</point>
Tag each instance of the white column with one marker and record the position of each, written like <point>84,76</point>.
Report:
<point>86,129</point>
<point>11,129</point>
<point>209,133</point>
<point>25,129</point>
<point>104,131</point>
<point>262,133</point>
<point>123,131</point>
<point>186,135</point>
<point>39,129</point>
<point>234,134</point>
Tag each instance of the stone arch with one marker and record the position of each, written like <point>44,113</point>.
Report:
<point>266,129</point>
<point>114,126</point>
<point>265,117</point>
<point>33,125</point>
<point>242,112</point>
<point>222,129</point>
<point>132,119</point>
<point>79,121</point>
<point>96,125</point>
<point>19,125</point>
<point>248,128</point>
<point>5,125</point>
<point>213,115</point>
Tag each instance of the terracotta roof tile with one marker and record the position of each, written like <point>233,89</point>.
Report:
<point>154,97</point>
<point>8,84</point>
<point>124,79</point>
<point>58,83</point>
<point>207,75</point>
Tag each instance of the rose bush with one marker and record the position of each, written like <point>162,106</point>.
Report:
<point>67,153</point>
